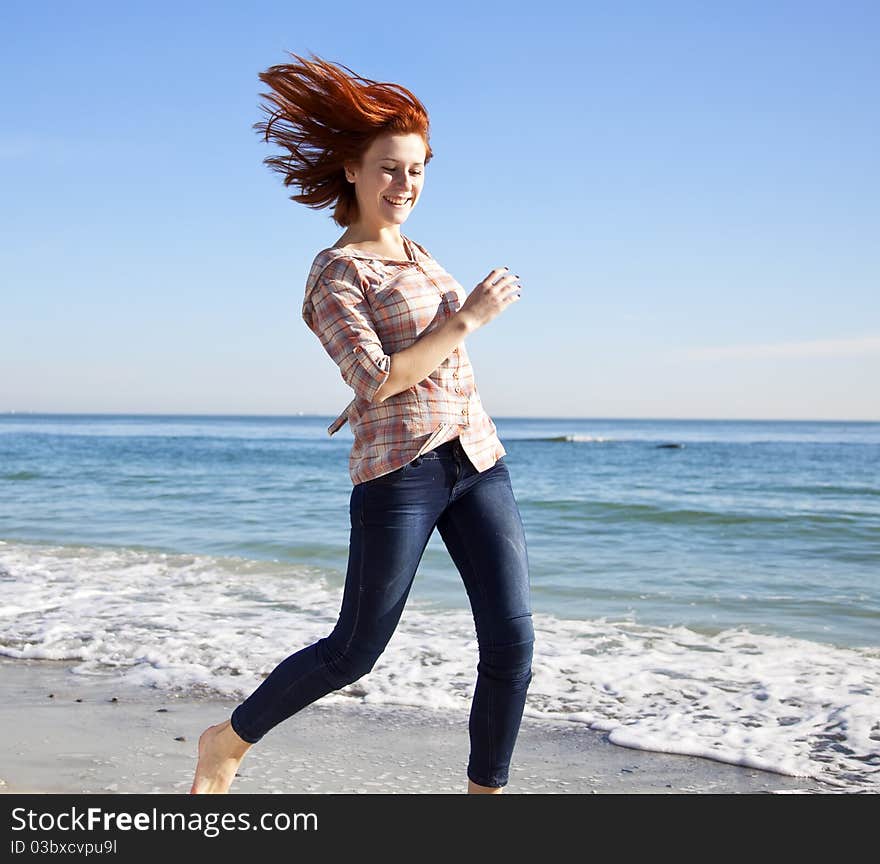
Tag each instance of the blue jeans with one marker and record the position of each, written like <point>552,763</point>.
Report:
<point>392,519</point>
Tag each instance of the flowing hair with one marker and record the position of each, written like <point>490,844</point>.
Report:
<point>323,117</point>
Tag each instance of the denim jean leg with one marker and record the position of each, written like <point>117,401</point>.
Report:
<point>386,545</point>
<point>483,531</point>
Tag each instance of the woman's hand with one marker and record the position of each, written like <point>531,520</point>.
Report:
<point>490,298</point>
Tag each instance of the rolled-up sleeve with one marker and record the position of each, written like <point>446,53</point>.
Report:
<point>336,310</point>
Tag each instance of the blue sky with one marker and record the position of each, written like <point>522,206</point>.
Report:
<point>689,191</point>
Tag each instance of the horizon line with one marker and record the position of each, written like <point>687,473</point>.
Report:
<point>303,415</point>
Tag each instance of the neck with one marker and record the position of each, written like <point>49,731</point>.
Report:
<point>386,235</point>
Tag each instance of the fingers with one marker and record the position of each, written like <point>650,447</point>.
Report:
<point>506,278</point>
<point>500,277</point>
<point>511,281</point>
<point>518,287</point>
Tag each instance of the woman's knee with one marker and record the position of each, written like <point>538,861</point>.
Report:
<point>346,664</point>
<point>508,653</point>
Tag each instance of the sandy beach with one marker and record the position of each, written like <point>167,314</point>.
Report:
<point>65,733</point>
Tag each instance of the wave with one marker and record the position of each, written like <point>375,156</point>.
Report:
<point>578,438</point>
<point>216,626</point>
<point>586,439</point>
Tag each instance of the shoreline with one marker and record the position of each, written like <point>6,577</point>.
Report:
<point>58,745</point>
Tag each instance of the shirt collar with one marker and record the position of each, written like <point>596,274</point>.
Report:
<point>413,249</point>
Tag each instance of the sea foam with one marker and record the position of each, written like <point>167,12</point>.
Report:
<point>216,626</point>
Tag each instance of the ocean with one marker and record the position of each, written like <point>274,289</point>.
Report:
<point>709,588</point>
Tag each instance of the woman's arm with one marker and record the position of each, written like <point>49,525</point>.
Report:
<point>336,309</point>
<point>417,361</point>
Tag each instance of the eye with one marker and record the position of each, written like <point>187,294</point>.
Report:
<point>388,170</point>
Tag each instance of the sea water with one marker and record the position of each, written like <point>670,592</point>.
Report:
<point>700,587</point>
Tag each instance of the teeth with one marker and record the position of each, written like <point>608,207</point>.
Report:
<point>396,203</point>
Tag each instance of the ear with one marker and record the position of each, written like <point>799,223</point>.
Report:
<point>349,172</point>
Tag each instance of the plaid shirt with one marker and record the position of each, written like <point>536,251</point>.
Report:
<point>365,307</point>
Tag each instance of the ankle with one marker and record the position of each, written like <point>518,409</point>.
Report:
<point>477,789</point>
<point>236,745</point>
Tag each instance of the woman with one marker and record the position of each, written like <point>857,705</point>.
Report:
<point>425,453</point>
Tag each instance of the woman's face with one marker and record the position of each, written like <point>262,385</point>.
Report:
<point>392,170</point>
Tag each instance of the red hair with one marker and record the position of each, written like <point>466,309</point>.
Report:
<point>323,118</point>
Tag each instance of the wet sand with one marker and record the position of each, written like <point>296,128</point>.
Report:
<point>146,742</point>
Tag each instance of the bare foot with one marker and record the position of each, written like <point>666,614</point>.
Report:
<point>220,754</point>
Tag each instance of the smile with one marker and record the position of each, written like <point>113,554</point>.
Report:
<point>396,203</point>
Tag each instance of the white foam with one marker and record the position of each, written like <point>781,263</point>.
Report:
<point>218,625</point>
